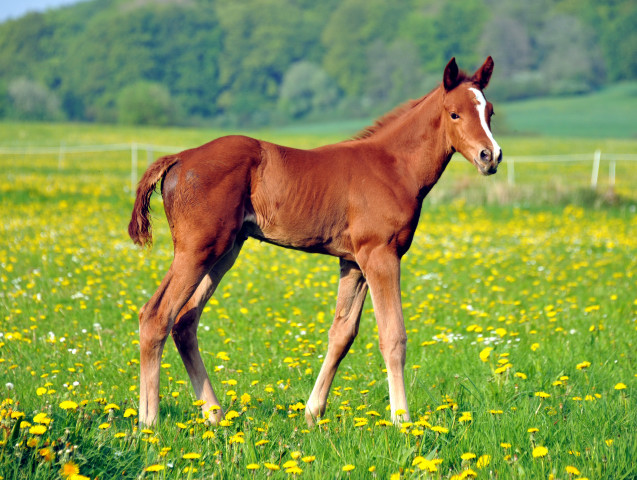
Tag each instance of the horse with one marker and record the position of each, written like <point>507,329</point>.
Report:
<point>358,200</point>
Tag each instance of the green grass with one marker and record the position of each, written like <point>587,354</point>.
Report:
<point>547,287</point>
<point>609,113</point>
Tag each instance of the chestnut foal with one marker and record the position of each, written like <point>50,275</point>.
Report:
<point>358,200</point>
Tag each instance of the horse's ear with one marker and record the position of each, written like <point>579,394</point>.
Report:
<point>483,75</point>
<point>451,77</point>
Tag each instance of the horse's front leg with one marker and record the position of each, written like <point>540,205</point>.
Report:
<point>352,290</point>
<point>382,270</point>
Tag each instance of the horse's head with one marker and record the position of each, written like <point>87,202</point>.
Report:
<point>467,116</point>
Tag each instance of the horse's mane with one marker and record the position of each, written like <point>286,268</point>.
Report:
<point>399,111</point>
<point>388,118</point>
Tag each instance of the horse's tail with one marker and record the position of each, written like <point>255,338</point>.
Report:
<point>139,228</point>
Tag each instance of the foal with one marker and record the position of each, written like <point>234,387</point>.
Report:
<point>358,200</point>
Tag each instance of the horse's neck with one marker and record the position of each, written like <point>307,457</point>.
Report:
<point>418,142</point>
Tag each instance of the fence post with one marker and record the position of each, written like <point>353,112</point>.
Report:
<point>510,171</point>
<point>133,168</point>
<point>596,158</point>
<point>611,174</point>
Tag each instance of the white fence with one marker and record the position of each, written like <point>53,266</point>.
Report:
<point>594,159</point>
<point>134,148</point>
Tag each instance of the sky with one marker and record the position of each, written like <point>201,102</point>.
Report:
<point>17,8</point>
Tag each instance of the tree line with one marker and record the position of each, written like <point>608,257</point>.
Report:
<point>254,62</point>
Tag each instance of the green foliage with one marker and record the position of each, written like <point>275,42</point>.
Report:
<point>33,101</point>
<point>229,61</point>
<point>306,89</point>
<point>146,103</point>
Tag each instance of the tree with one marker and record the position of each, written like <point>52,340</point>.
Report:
<point>395,74</point>
<point>351,29</point>
<point>508,42</point>
<point>306,89</point>
<point>261,39</point>
<point>572,61</point>
<point>146,103</point>
<point>33,101</point>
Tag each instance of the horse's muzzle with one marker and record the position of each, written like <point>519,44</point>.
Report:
<point>486,162</point>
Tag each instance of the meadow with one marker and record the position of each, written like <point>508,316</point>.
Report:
<point>520,308</point>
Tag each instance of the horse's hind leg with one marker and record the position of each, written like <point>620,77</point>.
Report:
<point>184,333</point>
<point>352,290</point>
<point>156,320</point>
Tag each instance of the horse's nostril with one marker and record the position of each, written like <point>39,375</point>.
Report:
<point>500,156</point>
<point>485,155</point>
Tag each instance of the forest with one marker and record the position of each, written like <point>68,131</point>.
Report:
<point>258,62</point>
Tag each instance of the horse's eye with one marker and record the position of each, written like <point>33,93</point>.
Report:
<point>455,116</point>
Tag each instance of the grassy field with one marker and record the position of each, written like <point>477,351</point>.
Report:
<point>521,317</point>
<point>603,114</point>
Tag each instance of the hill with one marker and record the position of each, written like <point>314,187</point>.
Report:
<point>271,61</point>
<point>608,113</point>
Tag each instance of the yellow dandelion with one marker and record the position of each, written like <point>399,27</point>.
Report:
<point>308,459</point>
<point>154,468</point>
<point>42,418</point>
<point>427,465</point>
<point>271,466</point>
<point>290,464</point>
<point>46,454</point>
<point>68,405</point>
<point>231,414</point>
<point>542,394</point>
<point>104,426</point>
<point>68,469</point>
<point>620,386</point>
<point>540,451</point>
<point>191,456</point>
<point>439,429</point>
<point>130,412</point>
<point>383,423</point>
<point>468,456</point>
<point>37,430</point>
<point>252,466</point>
<point>572,470</point>
<point>110,406</point>
<point>348,468</point>
<point>583,365</point>
<point>485,354</point>
<point>483,461</point>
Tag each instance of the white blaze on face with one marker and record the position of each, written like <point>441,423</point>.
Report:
<point>482,111</point>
